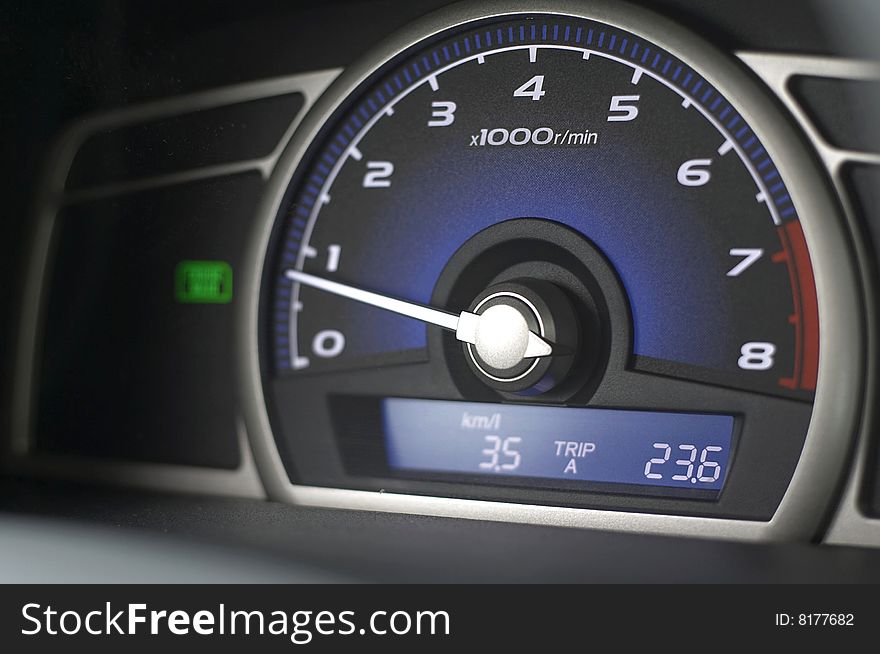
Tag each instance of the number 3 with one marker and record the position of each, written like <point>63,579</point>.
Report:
<point>442,114</point>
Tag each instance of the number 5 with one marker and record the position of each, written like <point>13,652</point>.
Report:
<point>511,453</point>
<point>624,112</point>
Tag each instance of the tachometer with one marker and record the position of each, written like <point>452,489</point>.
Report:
<point>548,258</point>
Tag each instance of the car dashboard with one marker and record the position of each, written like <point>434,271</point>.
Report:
<point>333,286</point>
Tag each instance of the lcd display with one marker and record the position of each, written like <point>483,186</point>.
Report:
<point>679,450</point>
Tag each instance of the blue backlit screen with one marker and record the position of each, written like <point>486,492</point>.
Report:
<point>677,450</point>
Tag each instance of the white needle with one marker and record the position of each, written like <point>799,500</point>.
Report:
<point>465,325</point>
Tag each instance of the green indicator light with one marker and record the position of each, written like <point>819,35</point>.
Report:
<point>203,282</point>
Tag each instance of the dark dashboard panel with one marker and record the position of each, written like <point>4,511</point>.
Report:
<point>192,139</point>
<point>127,371</point>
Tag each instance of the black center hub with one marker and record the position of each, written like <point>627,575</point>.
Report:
<point>561,284</point>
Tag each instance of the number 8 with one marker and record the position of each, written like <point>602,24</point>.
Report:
<point>756,356</point>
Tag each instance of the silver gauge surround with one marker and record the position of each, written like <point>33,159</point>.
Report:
<point>839,401</point>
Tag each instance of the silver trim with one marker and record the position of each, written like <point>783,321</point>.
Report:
<point>849,526</point>
<point>777,70</point>
<point>243,481</point>
<point>310,85</point>
<point>835,416</point>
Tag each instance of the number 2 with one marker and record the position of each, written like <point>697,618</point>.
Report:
<point>378,174</point>
<point>667,451</point>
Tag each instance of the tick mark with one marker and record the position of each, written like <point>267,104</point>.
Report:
<point>726,147</point>
<point>300,362</point>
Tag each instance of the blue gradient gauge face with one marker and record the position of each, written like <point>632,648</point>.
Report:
<point>553,213</point>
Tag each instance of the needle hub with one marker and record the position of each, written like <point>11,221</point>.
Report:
<point>524,336</point>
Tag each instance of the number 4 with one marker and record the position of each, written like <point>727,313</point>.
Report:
<point>532,89</point>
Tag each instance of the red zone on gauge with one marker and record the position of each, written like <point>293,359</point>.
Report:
<point>805,318</point>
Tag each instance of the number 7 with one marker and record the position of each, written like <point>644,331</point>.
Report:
<point>750,256</point>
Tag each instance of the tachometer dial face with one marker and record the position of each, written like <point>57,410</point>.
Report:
<point>540,258</point>
<point>575,124</point>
